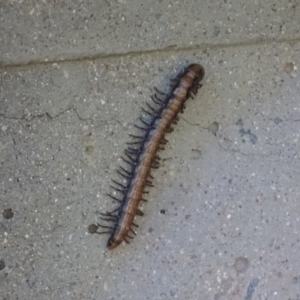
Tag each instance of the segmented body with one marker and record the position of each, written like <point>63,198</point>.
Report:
<point>141,156</point>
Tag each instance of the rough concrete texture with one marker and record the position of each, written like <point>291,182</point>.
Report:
<point>57,30</point>
<point>223,219</point>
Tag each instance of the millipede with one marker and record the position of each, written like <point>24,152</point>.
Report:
<point>141,155</point>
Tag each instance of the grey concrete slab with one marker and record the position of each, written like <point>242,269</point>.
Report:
<point>223,219</point>
<point>34,31</point>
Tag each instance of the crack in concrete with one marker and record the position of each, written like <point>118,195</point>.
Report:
<point>167,49</point>
<point>195,124</point>
<point>46,114</point>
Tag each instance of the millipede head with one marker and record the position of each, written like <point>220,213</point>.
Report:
<point>198,70</point>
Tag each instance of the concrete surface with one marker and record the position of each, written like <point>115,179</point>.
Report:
<point>37,31</point>
<point>223,219</point>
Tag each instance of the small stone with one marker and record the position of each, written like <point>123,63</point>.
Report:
<point>7,213</point>
<point>241,264</point>
<point>289,68</point>
<point>92,228</point>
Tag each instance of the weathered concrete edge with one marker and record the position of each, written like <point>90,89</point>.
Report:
<point>172,49</point>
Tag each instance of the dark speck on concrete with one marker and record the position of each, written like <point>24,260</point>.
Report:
<point>216,31</point>
<point>163,211</point>
<point>277,120</point>
<point>247,134</point>
<point>7,213</point>
<point>251,288</point>
<point>239,122</point>
<point>295,280</point>
<point>2,264</point>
